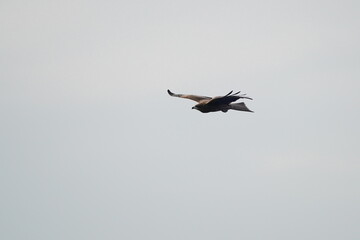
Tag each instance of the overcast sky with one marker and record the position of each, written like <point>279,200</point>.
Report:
<point>92,147</point>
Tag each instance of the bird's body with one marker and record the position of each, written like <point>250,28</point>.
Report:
<point>215,104</point>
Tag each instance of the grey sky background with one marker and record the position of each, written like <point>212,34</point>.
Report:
<point>92,147</point>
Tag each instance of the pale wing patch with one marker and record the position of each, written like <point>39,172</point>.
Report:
<point>188,96</point>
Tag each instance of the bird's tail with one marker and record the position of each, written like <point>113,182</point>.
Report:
<point>239,107</point>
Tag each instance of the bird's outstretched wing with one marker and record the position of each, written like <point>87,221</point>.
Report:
<point>227,99</point>
<point>192,97</point>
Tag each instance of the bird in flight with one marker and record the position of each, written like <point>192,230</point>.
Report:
<point>221,103</point>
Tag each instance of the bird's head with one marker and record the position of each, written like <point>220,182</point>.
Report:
<point>198,107</point>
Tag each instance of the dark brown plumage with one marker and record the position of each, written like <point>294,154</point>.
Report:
<point>221,103</point>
